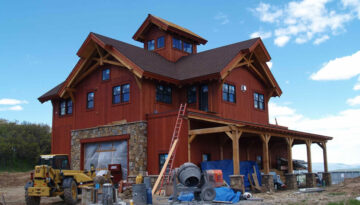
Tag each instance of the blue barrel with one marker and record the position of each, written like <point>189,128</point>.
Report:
<point>149,196</point>
<point>139,194</point>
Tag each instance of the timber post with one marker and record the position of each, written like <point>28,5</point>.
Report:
<point>308,150</point>
<point>190,139</point>
<point>290,142</point>
<point>265,139</point>
<point>235,136</point>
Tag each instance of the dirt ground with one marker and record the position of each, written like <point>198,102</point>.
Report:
<point>12,187</point>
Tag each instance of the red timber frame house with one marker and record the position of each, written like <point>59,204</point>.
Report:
<point>119,96</point>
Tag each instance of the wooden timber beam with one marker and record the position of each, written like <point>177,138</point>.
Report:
<point>235,136</point>
<point>191,138</point>
<point>100,54</point>
<point>325,157</point>
<point>208,120</point>
<point>308,151</point>
<point>265,138</point>
<point>91,69</point>
<point>138,82</point>
<point>210,130</point>
<point>222,142</point>
<point>290,142</point>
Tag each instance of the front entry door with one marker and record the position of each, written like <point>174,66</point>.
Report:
<point>203,98</point>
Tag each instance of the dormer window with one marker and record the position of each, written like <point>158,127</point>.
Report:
<point>161,42</point>
<point>177,43</point>
<point>187,47</point>
<point>151,45</point>
<point>106,74</point>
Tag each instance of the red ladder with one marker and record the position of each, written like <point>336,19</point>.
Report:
<point>168,172</point>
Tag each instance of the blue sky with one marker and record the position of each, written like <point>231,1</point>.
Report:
<point>313,44</point>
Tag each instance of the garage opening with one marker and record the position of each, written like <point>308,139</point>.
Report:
<point>101,154</point>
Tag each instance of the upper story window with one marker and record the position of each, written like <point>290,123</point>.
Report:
<point>177,43</point>
<point>66,107</point>
<point>106,74</point>
<point>90,100</point>
<point>151,45</point>
<point>191,94</point>
<point>259,101</point>
<point>163,93</point>
<point>161,42</point>
<point>187,47</point>
<point>229,93</point>
<point>121,94</point>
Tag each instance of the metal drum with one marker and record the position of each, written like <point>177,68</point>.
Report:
<point>139,194</point>
<point>189,174</point>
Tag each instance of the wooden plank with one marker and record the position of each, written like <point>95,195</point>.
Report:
<point>191,138</point>
<point>164,166</point>
<point>209,130</point>
<point>255,177</point>
<point>250,181</point>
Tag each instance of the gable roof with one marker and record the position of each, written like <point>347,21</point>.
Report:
<point>210,62</point>
<point>166,26</point>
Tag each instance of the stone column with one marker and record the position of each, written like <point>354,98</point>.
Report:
<point>291,182</point>
<point>237,182</point>
<point>310,180</point>
<point>267,181</point>
<point>326,176</point>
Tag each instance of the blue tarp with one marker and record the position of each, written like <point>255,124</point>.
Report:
<point>227,168</point>
<point>222,194</point>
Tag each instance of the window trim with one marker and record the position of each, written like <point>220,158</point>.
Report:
<point>157,42</point>
<point>159,155</point>
<point>228,93</point>
<point>181,44</point>
<point>253,99</point>
<point>66,107</point>
<point>187,94</point>
<point>87,100</point>
<point>102,74</point>
<point>162,94</point>
<point>152,40</point>
<point>183,47</point>
<point>121,94</point>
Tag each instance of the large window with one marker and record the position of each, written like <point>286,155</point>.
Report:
<point>121,94</point>
<point>151,45</point>
<point>66,107</point>
<point>191,94</point>
<point>90,100</point>
<point>163,93</point>
<point>187,47</point>
<point>259,101</point>
<point>177,43</point>
<point>162,159</point>
<point>106,74</point>
<point>161,42</point>
<point>229,93</point>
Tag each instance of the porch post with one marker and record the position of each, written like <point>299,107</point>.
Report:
<point>265,139</point>
<point>325,157</point>
<point>308,150</point>
<point>235,136</point>
<point>326,175</point>
<point>290,142</point>
<point>190,139</point>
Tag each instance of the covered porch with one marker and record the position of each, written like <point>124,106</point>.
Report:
<point>214,138</point>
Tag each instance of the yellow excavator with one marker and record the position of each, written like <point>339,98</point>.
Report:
<point>53,177</point>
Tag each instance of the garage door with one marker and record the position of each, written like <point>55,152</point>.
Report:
<point>103,153</point>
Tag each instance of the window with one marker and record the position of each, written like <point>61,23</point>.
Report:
<point>151,45</point>
<point>62,107</point>
<point>177,43</point>
<point>229,93</point>
<point>69,106</point>
<point>66,107</point>
<point>90,100</point>
<point>161,42</point>
<point>121,93</point>
<point>162,159</point>
<point>187,47</point>
<point>163,93</point>
<point>259,101</point>
<point>191,94</point>
<point>206,157</point>
<point>106,74</point>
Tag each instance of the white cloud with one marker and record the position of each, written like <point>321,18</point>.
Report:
<point>354,5</point>
<point>7,101</point>
<point>263,35</point>
<point>343,127</point>
<point>281,40</point>
<point>321,39</point>
<point>269,64</point>
<point>223,18</point>
<point>354,101</point>
<point>305,20</point>
<point>339,69</point>
<point>357,85</point>
<point>12,108</point>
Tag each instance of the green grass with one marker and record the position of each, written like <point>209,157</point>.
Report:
<point>348,202</point>
<point>17,166</point>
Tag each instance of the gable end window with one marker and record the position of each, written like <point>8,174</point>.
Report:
<point>121,94</point>
<point>191,95</point>
<point>187,47</point>
<point>259,101</point>
<point>161,42</point>
<point>163,94</point>
<point>177,43</point>
<point>106,74</point>
<point>229,94</point>
<point>151,45</point>
<point>90,100</point>
<point>66,107</point>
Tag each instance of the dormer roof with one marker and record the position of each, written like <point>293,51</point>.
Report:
<point>167,26</point>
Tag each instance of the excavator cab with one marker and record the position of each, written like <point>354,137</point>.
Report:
<point>55,161</point>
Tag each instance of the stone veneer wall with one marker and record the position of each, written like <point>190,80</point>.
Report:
<point>137,153</point>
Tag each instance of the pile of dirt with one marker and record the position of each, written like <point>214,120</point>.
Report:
<point>14,179</point>
<point>349,186</point>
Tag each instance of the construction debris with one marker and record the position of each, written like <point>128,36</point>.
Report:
<point>310,190</point>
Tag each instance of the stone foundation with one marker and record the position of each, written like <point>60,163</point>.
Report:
<point>291,182</point>
<point>267,181</point>
<point>137,143</point>
<point>326,176</point>
<point>237,182</point>
<point>310,180</point>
